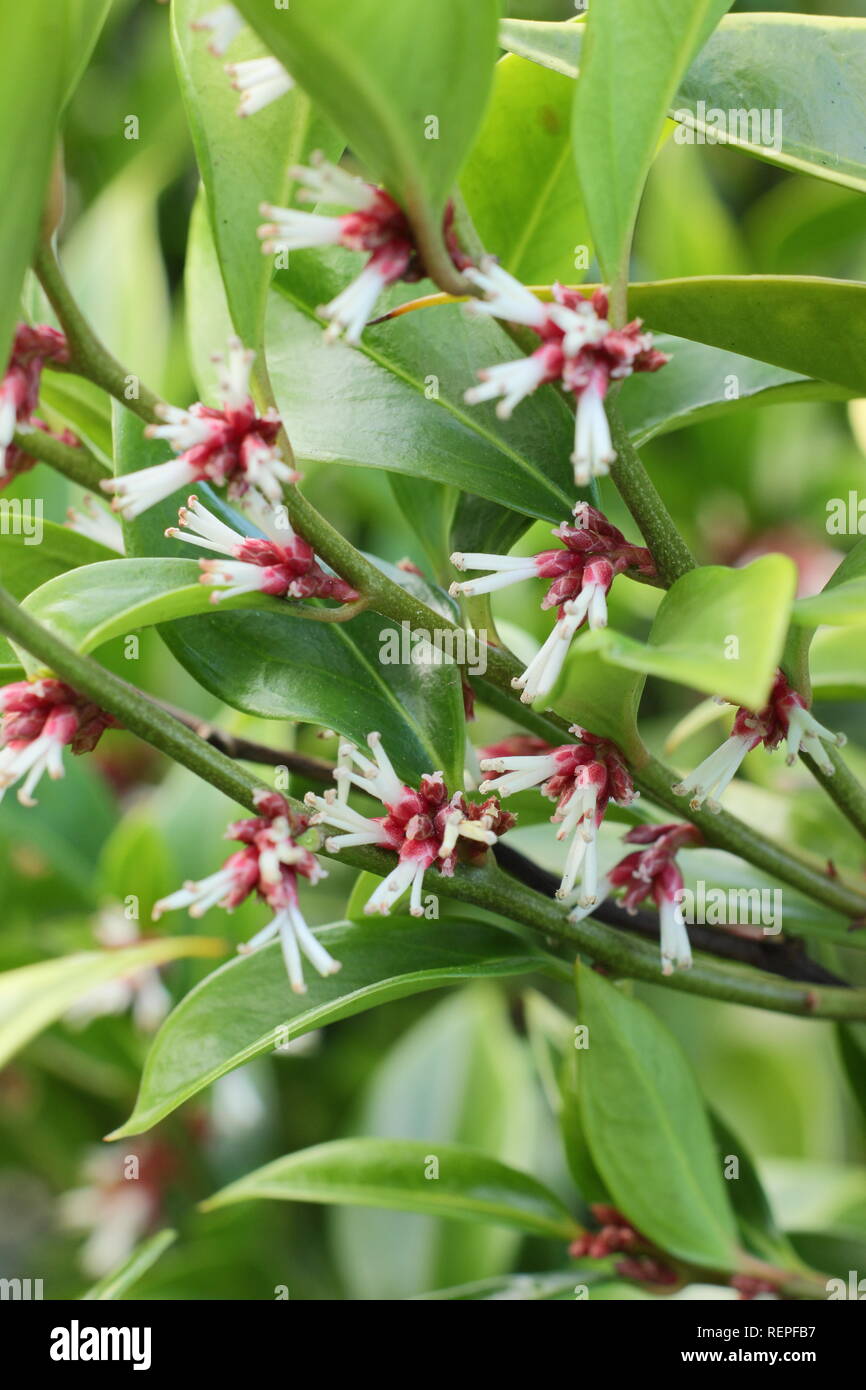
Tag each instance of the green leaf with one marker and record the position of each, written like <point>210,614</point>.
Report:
<point>630,71</point>
<point>245,1008</point>
<point>647,1128</point>
<point>25,566</point>
<point>836,1253</point>
<point>36,995</point>
<point>718,630</point>
<point>814,327</point>
<point>382,70</point>
<point>755,1219</point>
<point>397,1174</point>
<point>519,181</point>
<point>837,664</point>
<point>43,48</point>
<point>763,62</point>
<point>701,382</point>
<point>396,402</point>
<point>851,1040</point>
<point>279,666</point>
<point>118,1283</point>
<point>243,162</point>
<point>461,1074</point>
<point>842,601</point>
<point>598,696</point>
<point>90,605</point>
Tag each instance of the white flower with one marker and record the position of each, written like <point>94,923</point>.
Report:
<point>804,735</point>
<point>593,448</point>
<point>513,381</point>
<point>348,313</point>
<point>675,945</point>
<point>260,81</point>
<point>711,777</point>
<point>506,298</point>
<point>544,669</point>
<point>296,940</point>
<point>506,570</point>
<point>223,24</point>
<point>95,523</point>
<point>134,493</point>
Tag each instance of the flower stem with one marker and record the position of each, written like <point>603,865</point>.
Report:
<point>842,787</point>
<point>75,462</point>
<point>487,886</point>
<point>670,552</point>
<point>88,356</point>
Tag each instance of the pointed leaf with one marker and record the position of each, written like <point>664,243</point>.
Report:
<point>396,1174</point>
<point>647,1128</point>
<point>246,1008</point>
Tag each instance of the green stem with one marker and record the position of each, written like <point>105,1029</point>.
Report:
<point>486,887</point>
<point>724,831</point>
<point>670,552</point>
<point>88,356</point>
<point>842,787</point>
<point>75,462</point>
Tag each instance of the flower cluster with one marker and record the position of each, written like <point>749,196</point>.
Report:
<point>579,349</point>
<point>232,445</point>
<point>784,717</point>
<point>616,1235</point>
<point>259,80</point>
<point>581,778</point>
<point>40,719</point>
<point>652,872</point>
<point>268,865</point>
<point>582,571</point>
<point>424,827</point>
<point>32,347</point>
<point>286,570</point>
<point>375,223</point>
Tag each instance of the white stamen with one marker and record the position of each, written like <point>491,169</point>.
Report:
<point>323,182</point>
<point>290,230</point>
<point>348,313</point>
<point>593,449</point>
<point>676,948</point>
<point>513,381</point>
<point>224,24</point>
<point>543,670</point>
<point>95,523</point>
<point>135,492</point>
<point>805,735</point>
<point>506,298</point>
<point>260,81</point>
<point>712,776</point>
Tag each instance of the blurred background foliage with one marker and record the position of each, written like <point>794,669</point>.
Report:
<point>443,1066</point>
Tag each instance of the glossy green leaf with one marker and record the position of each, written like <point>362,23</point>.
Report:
<point>701,383</point>
<point>842,601</point>
<point>460,1074</point>
<point>246,1008</point>
<point>118,1283</point>
<point>837,664</point>
<point>243,161</point>
<point>90,605</point>
<point>519,181</point>
<point>718,630</point>
<point>851,1040</point>
<point>398,1174</point>
<point>24,566</point>
<point>598,696</point>
<point>36,995</point>
<point>631,66</point>
<point>648,1130</point>
<point>757,1224</point>
<point>836,1253</point>
<point>406,85</point>
<point>756,62</point>
<point>278,666</point>
<point>397,401</point>
<point>43,47</point>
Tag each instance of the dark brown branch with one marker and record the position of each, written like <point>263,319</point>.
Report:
<point>783,957</point>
